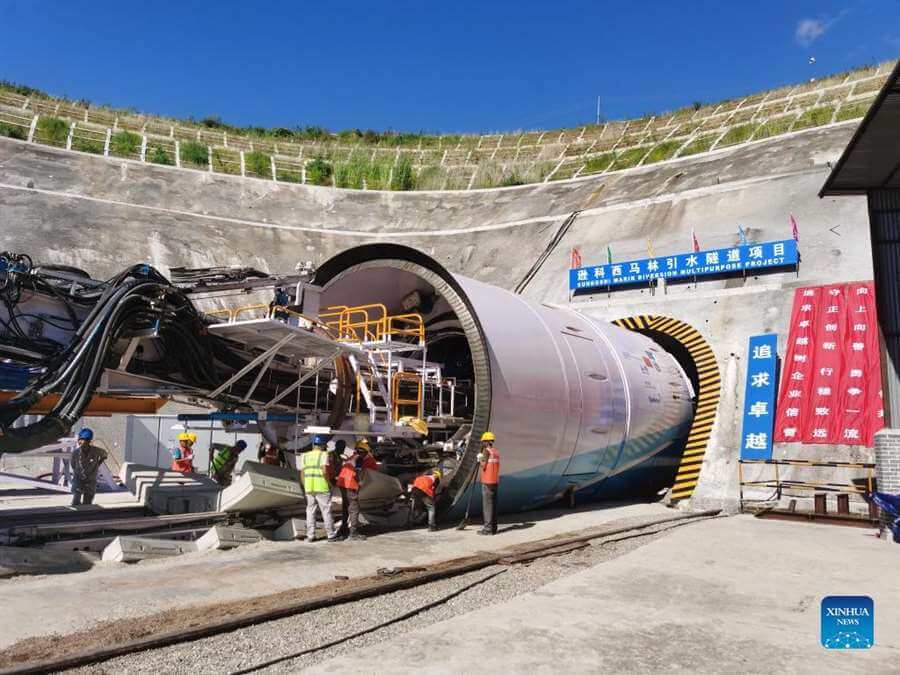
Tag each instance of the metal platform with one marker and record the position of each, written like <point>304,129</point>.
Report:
<point>296,343</point>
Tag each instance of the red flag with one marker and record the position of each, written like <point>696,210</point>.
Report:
<point>694,241</point>
<point>576,258</point>
<point>795,233</point>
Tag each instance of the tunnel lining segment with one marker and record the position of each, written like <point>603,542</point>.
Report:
<point>707,382</point>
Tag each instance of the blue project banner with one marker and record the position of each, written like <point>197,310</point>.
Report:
<point>759,397</point>
<point>687,265</point>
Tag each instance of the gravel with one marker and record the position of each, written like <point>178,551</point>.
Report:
<point>257,644</point>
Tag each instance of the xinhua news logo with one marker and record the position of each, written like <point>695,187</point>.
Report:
<point>848,622</point>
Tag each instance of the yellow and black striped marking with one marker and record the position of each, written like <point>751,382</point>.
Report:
<point>708,391</point>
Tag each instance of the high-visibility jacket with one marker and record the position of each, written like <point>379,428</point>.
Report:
<point>183,461</point>
<point>426,483</point>
<point>490,467</point>
<point>347,477</point>
<point>313,465</point>
<point>222,460</point>
<point>369,462</point>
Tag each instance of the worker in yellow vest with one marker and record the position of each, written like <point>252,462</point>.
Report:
<point>316,480</point>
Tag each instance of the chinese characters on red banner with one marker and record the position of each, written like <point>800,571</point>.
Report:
<point>831,377</point>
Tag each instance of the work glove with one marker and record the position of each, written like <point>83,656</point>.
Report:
<point>480,457</point>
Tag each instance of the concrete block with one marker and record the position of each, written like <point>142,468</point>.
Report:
<point>22,560</point>
<point>227,536</point>
<point>170,492</point>
<point>133,549</point>
<point>262,487</point>
<point>290,530</point>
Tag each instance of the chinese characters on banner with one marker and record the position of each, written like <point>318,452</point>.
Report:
<point>736,259</point>
<point>759,397</point>
<point>831,380</point>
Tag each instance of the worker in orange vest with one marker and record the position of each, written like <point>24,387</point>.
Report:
<point>424,488</point>
<point>489,458</point>
<point>347,480</point>
<point>183,455</point>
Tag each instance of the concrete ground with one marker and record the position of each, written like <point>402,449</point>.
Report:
<point>64,603</point>
<point>726,595</point>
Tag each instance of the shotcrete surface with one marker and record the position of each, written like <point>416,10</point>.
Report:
<point>725,595</point>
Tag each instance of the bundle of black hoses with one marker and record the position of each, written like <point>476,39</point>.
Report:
<point>137,299</point>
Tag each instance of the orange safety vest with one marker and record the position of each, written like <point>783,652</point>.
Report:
<point>425,484</point>
<point>490,468</point>
<point>347,477</point>
<point>184,464</point>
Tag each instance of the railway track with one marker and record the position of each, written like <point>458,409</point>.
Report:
<point>381,583</point>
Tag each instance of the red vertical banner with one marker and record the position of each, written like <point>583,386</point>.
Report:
<point>821,424</point>
<point>796,377</point>
<point>861,406</point>
<point>831,379</point>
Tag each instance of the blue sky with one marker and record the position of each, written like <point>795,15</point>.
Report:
<point>457,66</point>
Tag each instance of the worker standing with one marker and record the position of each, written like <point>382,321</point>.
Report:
<point>489,458</point>
<point>348,482</point>
<point>424,488</point>
<point>183,455</point>
<point>316,484</point>
<point>85,462</point>
<point>222,466</point>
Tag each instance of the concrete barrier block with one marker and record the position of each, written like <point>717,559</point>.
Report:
<point>133,549</point>
<point>290,530</point>
<point>170,492</point>
<point>227,536</point>
<point>262,487</point>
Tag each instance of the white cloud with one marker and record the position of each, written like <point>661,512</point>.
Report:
<point>810,30</point>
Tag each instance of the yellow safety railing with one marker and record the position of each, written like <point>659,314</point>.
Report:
<point>248,308</point>
<point>395,391</point>
<point>406,325</point>
<point>779,484</point>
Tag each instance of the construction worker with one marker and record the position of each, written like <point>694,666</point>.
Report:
<point>314,476</point>
<point>279,303</point>
<point>335,457</point>
<point>364,458</point>
<point>183,455</point>
<point>348,482</point>
<point>489,459</point>
<point>222,466</point>
<point>424,488</point>
<point>270,456</point>
<point>85,462</point>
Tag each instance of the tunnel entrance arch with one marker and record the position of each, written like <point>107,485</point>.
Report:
<point>696,357</point>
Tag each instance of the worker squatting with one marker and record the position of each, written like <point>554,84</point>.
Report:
<point>320,472</point>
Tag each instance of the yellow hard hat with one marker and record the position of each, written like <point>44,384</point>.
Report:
<point>488,436</point>
<point>184,436</point>
<point>437,473</point>
<point>362,444</point>
<point>192,437</point>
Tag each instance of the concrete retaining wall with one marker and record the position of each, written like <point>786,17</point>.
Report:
<point>102,214</point>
